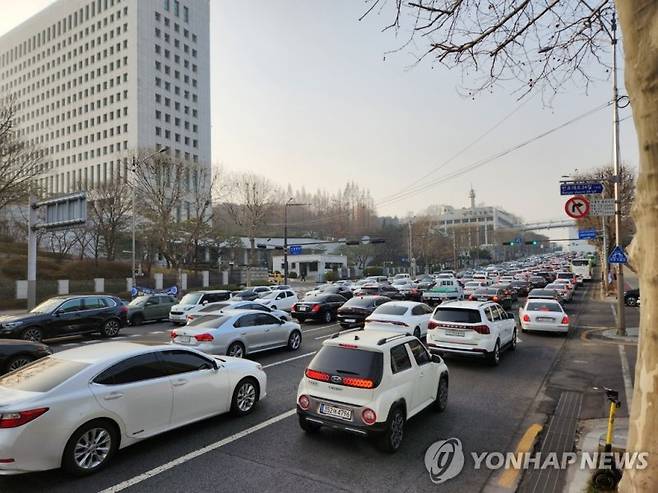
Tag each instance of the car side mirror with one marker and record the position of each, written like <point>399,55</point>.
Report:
<point>281,321</point>
<point>215,365</point>
<point>436,358</point>
<point>205,302</point>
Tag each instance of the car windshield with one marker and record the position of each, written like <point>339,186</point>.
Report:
<point>42,375</point>
<point>191,299</point>
<point>457,315</point>
<point>542,306</point>
<point>391,309</point>
<point>140,300</point>
<point>343,361</point>
<point>271,295</point>
<point>47,306</point>
<point>472,284</point>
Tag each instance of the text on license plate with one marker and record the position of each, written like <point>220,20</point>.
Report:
<point>350,320</point>
<point>455,332</point>
<point>545,319</point>
<point>183,339</point>
<point>336,412</point>
<point>303,308</point>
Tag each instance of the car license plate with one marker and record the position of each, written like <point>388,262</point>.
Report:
<point>183,339</point>
<point>336,412</point>
<point>303,308</point>
<point>483,299</point>
<point>350,320</point>
<point>455,332</point>
<point>545,319</point>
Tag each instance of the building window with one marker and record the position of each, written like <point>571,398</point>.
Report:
<point>186,14</point>
<point>166,5</point>
<point>176,8</point>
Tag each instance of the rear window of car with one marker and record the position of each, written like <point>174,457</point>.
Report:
<point>318,298</point>
<point>361,302</point>
<point>540,306</point>
<point>208,321</point>
<point>42,375</point>
<point>457,315</point>
<point>390,309</point>
<point>542,293</point>
<point>342,361</point>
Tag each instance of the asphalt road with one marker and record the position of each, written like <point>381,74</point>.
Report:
<point>485,411</point>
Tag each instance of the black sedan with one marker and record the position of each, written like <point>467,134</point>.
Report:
<point>343,291</point>
<point>537,282</point>
<point>354,312</point>
<point>522,288</point>
<point>16,353</point>
<point>380,290</point>
<point>632,297</point>
<point>321,307</point>
<point>67,315</point>
<point>497,295</point>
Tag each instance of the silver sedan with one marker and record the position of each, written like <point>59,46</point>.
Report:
<point>238,332</point>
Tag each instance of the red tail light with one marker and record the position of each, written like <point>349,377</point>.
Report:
<point>362,383</point>
<point>481,329</point>
<point>565,320</point>
<point>432,324</point>
<point>304,402</point>
<point>294,308</point>
<point>495,298</point>
<point>315,308</point>
<point>526,318</point>
<point>368,416</point>
<point>172,334</point>
<point>123,309</point>
<point>14,420</point>
<point>204,337</point>
<point>317,375</point>
<point>349,346</point>
<point>471,297</point>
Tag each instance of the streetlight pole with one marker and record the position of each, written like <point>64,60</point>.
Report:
<point>289,203</point>
<point>134,174</point>
<point>621,316</point>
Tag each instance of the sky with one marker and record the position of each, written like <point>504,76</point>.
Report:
<point>304,94</point>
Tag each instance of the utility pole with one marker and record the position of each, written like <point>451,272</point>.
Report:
<point>32,254</point>
<point>621,316</point>
<point>289,203</point>
<point>412,262</point>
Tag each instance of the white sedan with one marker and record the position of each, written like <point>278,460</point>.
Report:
<point>238,332</point>
<point>76,408</point>
<point>401,316</point>
<point>543,315</point>
<point>279,300</point>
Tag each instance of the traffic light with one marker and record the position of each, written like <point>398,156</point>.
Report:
<point>532,242</point>
<point>510,243</point>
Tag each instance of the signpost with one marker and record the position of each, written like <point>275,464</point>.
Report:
<point>602,207</point>
<point>295,249</point>
<point>587,234</point>
<point>577,207</point>
<point>617,256</point>
<point>581,188</point>
<point>60,213</point>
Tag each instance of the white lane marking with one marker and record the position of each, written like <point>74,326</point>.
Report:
<point>134,335</point>
<point>306,355</point>
<point>614,313</point>
<point>320,328</point>
<point>157,332</point>
<point>626,374</point>
<point>196,453</point>
<point>324,337</point>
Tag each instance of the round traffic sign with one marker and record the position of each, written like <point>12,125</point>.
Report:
<point>577,207</point>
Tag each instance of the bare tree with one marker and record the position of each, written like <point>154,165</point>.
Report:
<point>19,163</point>
<point>109,211</point>
<point>250,200</point>
<point>545,44</point>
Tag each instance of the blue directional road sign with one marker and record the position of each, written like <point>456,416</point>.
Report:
<point>580,188</point>
<point>587,234</point>
<point>295,249</point>
<point>617,256</point>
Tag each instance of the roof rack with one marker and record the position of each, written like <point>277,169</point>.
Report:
<point>341,332</point>
<point>391,338</point>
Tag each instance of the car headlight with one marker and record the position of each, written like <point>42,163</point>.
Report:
<point>11,325</point>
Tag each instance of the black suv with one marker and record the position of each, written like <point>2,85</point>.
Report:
<point>67,315</point>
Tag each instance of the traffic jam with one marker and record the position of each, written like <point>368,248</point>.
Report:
<point>385,354</point>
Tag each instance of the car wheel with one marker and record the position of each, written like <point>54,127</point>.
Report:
<point>111,328</point>
<point>327,317</point>
<point>309,426</point>
<point>236,350</point>
<point>441,401</point>
<point>17,361</point>
<point>295,340</point>
<point>512,345</point>
<point>34,334</point>
<point>391,439</point>
<point>137,319</point>
<point>417,332</point>
<point>494,356</point>
<point>90,448</point>
<point>245,397</point>
<point>631,301</point>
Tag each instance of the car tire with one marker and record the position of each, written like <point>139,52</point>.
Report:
<point>111,328</point>
<point>236,350</point>
<point>494,356</point>
<point>391,439</point>
<point>441,401</point>
<point>631,301</point>
<point>512,344</point>
<point>294,340</point>
<point>17,362</point>
<point>327,317</point>
<point>34,334</point>
<point>308,426</point>
<point>417,332</point>
<point>137,319</point>
<point>97,431</point>
<point>245,397</point>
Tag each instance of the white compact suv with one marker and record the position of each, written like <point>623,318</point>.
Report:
<point>479,328</point>
<point>370,383</point>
